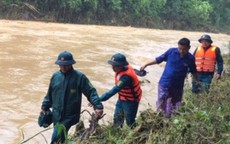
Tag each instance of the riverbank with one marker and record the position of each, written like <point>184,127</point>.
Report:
<point>202,119</point>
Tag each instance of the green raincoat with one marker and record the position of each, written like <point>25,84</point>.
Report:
<point>64,96</point>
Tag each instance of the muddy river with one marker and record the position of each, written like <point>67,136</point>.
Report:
<point>28,51</point>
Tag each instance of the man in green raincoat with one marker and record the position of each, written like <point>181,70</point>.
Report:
<point>64,96</point>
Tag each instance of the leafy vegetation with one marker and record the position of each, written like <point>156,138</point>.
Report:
<point>187,14</point>
<point>202,119</point>
<point>205,15</point>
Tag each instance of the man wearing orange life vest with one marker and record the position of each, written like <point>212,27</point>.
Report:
<point>129,91</point>
<point>206,57</point>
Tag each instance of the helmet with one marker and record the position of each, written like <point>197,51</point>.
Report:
<point>65,58</point>
<point>205,37</point>
<point>118,59</point>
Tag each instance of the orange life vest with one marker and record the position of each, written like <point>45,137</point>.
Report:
<point>133,93</point>
<point>205,59</point>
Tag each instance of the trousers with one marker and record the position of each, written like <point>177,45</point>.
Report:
<point>125,110</point>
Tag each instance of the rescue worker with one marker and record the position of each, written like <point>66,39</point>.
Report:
<point>170,86</point>
<point>206,57</point>
<point>129,91</point>
<point>64,96</point>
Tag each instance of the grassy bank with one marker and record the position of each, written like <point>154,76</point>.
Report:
<point>203,118</point>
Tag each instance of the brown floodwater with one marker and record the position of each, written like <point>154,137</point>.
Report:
<point>29,50</point>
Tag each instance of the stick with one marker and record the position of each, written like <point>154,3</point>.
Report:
<point>35,135</point>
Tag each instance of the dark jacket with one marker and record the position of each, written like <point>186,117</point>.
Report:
<point>64,96</point>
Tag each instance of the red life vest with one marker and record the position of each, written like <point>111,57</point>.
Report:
<point>133,93</point>
<point>205,59</point>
